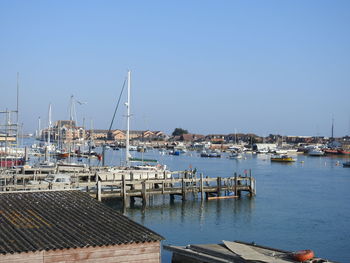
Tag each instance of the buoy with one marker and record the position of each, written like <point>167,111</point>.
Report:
<point>303,255</point>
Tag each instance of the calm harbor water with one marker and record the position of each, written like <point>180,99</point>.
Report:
<point>303,205</point>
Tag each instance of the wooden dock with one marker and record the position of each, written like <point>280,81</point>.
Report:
<point>128,189</point>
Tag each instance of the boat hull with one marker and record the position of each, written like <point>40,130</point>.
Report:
<point>282,159</point>
<point>11,162</point>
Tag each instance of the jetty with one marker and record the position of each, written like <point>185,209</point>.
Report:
<point>239,252</point>
<point>129,185</point>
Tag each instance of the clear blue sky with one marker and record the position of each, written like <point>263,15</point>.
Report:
<point>205,66</point>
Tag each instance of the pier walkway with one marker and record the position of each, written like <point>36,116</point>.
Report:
<point>129,187</point>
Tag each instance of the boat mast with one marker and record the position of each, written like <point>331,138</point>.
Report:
<point>49,126</point>
<point>332,127</point>
<point>127,154</point>
<point>17,118</point>
<point>39,128</point>
<point>49,135</point>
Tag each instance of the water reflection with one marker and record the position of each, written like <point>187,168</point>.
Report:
<point>218,212</point>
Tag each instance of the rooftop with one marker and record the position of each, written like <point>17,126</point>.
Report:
<point>47,220</point>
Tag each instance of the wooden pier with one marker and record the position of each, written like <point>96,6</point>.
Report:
<point>129,189</point>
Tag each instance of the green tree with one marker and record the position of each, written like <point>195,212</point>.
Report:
<point>179,132</point>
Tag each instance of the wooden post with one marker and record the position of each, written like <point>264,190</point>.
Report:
<point>14,179</point>
<point>238,183</point>
<point>144,194</point>
<point>132,200</point>
<point>26,155</point>
<point>183,189</point>
<point>201,186</point>
<point>99,191</point>
<point>235,186</point>
<point>124,190</point>
<point>252,187</point>
<point>219,186</point>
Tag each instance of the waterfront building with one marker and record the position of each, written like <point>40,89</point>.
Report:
<point>215,138</point>
<point>64,130</point>
<point>97,134</point>
<point>70,226</point>
<point>192,137</point>
<point>120,135</point>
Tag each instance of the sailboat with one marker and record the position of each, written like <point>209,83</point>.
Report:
<point>143,171</point>
<point>10,153</point>
<point>128,157</point>
<point>49,148</point>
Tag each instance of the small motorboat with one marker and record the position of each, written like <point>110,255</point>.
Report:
<point>315,152</point>
<point>346,164</point>
<point>235,155</point>
<point>282,158</point>
<point>211,154</point>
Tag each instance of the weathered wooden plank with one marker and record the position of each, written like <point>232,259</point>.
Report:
<point>248,253</point>
<point>112,248</point>
<point>98,254</point>
<point>35,257</point>
<point>153,257</point>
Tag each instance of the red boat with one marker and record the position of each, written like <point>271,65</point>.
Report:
<point>331,151</point>
<point>344,152</point>
<point>11,161</point>
<point>63,155</point>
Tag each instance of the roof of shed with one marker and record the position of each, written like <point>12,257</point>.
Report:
<point>46,220</point>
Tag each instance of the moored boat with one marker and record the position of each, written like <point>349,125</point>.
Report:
<point>331,151</point>
<point>9,161</point>
<point>315,152</point>
<point>235,155</point>
<point>212,154</point>
<point>63,155</point>
<point>282,158</point>
<point>344,152</point>
<point>239,252</point>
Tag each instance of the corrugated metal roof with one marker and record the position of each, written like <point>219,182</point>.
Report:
<point>35,221</point>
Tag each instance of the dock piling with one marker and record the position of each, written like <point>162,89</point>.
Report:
<point>99,192</point>
<point>201,186</point>
<point>144,194</point>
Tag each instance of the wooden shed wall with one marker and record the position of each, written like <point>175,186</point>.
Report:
<point>132,253</point>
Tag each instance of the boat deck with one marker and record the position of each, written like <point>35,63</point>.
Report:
<point>234,252</point>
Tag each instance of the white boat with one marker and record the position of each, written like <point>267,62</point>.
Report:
<point>143,171</point>
<point>132,148</point>
<point>46,164</point>
<point>315,152</point>
<point>262,151</point>
<point>211,154</point>
<point>239,156</point>
<point>235,155</point>
<point>281,151</point>
<point>55,181</point>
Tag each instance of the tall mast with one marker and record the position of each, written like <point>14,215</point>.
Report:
<point>332,127</point>
<point>127,154</point>
<point>49,126</point>
<point>71,117</point>
<point>39,128</point>
<point>17,112</point>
